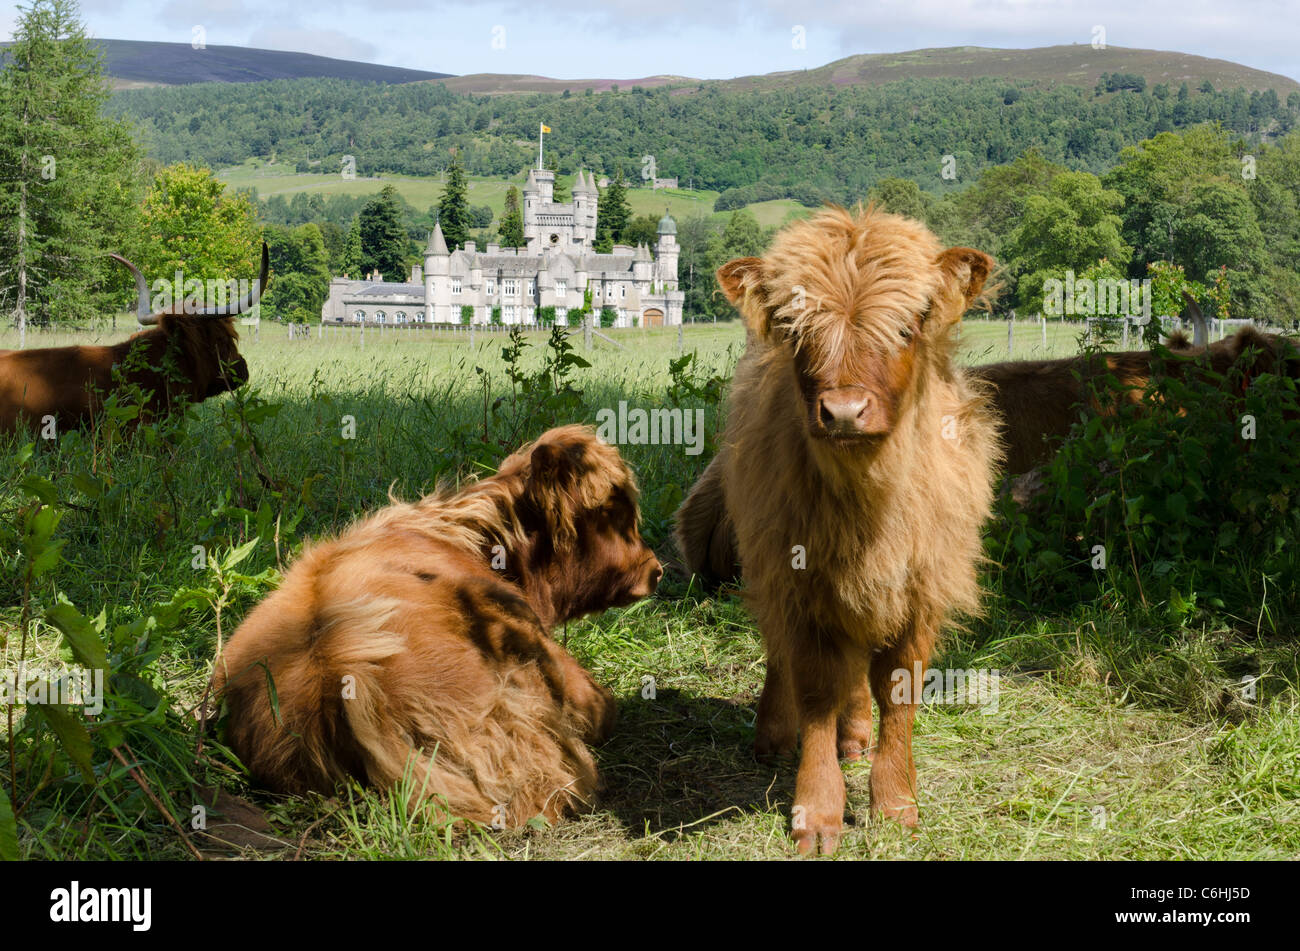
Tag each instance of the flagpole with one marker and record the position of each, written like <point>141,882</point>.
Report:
<point>540,126</point>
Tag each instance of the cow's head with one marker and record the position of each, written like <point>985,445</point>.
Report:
<point>578,499</point>
<point>198,341</point>
<point>860,302</point>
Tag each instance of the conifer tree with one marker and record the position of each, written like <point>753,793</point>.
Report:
<point>67,175</point>
<point>453,206</point>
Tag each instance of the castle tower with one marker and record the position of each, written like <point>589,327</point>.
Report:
<point>642,265</point>
<point>666,250</point>
<point>437,277</point>
<point>580,199</point>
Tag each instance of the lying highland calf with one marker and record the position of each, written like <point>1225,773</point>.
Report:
<point>183,357</point>
<point>419,640</point>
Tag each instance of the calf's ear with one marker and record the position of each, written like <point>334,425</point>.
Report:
<point>554,482</point>
<point>741,280</point>
<point>965,272</point>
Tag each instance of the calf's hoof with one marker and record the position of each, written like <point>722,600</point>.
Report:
<point>813,834</point>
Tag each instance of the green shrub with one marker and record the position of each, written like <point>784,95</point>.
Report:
<point>1185,497</point>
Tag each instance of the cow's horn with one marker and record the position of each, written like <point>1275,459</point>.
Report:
<point>1200,330</point>
<point>249,300</point>
<point>142,310</point>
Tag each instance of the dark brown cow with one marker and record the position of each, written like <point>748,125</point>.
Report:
<point>184,356</point>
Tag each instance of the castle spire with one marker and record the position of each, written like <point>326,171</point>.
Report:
<point>437,243</point>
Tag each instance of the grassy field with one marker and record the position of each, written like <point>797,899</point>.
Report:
<point>1113,736</point>
<point>274,179</point>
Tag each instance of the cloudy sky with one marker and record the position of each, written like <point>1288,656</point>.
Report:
<point>704,38</point>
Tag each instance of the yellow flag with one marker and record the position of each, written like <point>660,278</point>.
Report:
<point>546,128</point>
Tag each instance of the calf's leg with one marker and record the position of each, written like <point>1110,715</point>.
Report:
<point>777,723</point>
<point>893,776</point>
<point>854,724</point>
<point>822,676</point>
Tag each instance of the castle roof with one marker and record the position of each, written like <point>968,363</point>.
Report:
<point>437,243</point>
<point>666,224</point>
<point>387,289</point>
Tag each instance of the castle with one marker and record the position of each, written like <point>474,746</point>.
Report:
<point>554,268</point>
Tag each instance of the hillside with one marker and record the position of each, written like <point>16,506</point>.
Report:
<point>1075,65</point>
<point>135,63</point>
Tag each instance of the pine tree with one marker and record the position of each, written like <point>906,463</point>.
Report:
<point>612,214</point>
<point>67,175</point>
<point>384,243</point>
<point>453,206</point>
<point>350,263</point>
<point>512,221</point>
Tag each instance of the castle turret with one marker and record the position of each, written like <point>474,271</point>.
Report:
<point>581,196</point>
<point>437,277</point>
<point>642,265</point>
<point>666,251</point>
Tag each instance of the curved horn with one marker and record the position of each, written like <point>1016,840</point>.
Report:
<point>1200,329</point>
<point>142,310</point>
<point>249,300</point>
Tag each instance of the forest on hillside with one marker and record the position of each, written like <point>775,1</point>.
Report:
<point>805,143</point>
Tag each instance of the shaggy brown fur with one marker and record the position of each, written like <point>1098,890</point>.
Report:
<point>183,358</point>
<point>398,645</point>
<point>858,471</point>
<point>1036,402</point>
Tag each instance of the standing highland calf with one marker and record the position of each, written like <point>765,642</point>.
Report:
<point>419,640</point>
<point>858,471</point>
<point>186,355</point>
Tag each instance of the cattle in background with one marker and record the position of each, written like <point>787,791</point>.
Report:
<point>1039,400</point>
<point>184,356</point>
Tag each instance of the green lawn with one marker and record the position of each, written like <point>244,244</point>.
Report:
<point>275,179</point>
<point>1112,738</point>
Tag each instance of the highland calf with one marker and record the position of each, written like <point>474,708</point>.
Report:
<point>418,640</point>
<point>857,471</point>
<point>186,355</point>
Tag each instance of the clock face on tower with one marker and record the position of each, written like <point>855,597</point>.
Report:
<point>555,239</point>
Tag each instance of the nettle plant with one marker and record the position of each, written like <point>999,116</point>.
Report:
<point>1185,497</point>
<point>94,780</point>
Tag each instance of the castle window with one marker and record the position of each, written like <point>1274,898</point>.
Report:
<point>561,315</point>
<point>358,315</point>
<point>455,285</point>
<point>508,314</point>
<point>399,317</point>
<point>509,287</point>
<point>561,287</point>
<point>532,287</point>
<point>491,286</point>
<point>622,291</point>
<point>380,317</point>
<point>529,315</point>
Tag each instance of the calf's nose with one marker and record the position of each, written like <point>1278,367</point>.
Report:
<point>844,409</point>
